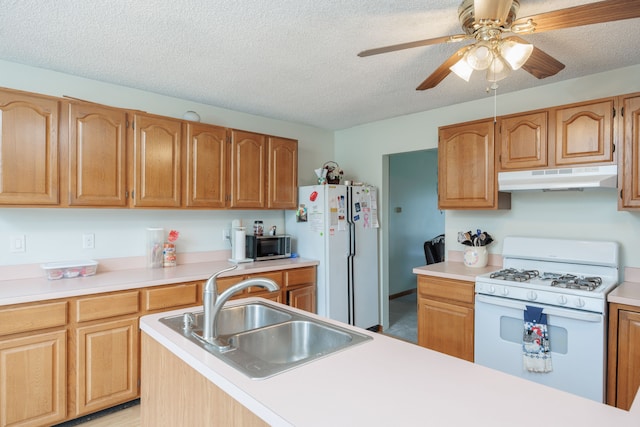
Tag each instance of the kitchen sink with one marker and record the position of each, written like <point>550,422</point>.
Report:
<point>264,339</point>
<point>290,342</point>
<point>231,320</point>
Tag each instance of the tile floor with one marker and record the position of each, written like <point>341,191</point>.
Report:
<point>403,318</point>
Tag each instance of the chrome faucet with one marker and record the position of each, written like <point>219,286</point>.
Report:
<point>213,303</point>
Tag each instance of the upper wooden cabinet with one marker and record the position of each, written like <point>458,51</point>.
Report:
<point>206,166</point>
<point>466,167</point>
<point>584,133</point>
<point>28,149</point>
<point>523,141</point>
<point>108,157</point>
<point>157,143</point>
<point>630,156</point>
<point>282,173</point>
<point>576,134</point>
<point>97,155</point>
<point>248,169</point>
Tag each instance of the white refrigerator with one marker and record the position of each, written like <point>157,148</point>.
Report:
<point>338,225</point>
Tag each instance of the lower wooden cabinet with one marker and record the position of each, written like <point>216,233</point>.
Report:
<point>446,316</point>
<point>106,364</point>
<point>33,379</point>
<point>63,359</point>
<point>624,355</point>
<point>303,297</point>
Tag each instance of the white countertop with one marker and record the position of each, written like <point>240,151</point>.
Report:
<point>389,382</point>
<point>454,270</point>
<point>626,293</point>
<point>38,289</point>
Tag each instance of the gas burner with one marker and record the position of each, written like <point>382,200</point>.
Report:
<point>569,281</point>
<point>513,275</point>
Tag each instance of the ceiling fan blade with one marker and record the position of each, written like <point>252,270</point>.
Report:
<point>540,64</point>
<point>442,71</point>
<point>491,10</point>
<point>592,13</point>
<point>418,43</point>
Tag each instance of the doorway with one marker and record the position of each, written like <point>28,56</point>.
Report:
<point>414,218</point>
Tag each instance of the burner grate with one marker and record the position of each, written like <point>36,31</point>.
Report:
<point>570,281</point>
<point>513,275</point>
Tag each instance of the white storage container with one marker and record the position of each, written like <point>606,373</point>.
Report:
<point>69,269</point>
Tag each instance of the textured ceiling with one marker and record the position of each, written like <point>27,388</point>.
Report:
<point>294,60</point>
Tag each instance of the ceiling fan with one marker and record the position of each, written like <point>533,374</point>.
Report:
<point>488,21</point>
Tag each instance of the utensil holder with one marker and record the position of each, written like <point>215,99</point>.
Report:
<point>476,256</point>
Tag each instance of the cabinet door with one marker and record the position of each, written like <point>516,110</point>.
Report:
<point>631,153</point>
<point>106,365</point>
<point>523,141</point>
<point>97,156</point>
<point>206,166</point>
<point>283,173</point>
<point>157,142</point>
<point>466,166</point>
<point>28,149</point>
<point>446,328</point>
<point>248,170</point>
<point>628,358</point>
<point>33,380</point>
<point>303,298</point>
<point>584,133</point>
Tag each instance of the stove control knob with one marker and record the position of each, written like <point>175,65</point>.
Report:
<point>492,289</point>
<point>562,300</point>
<point>532,296</point>
<point>505,292</point>
<point>579,302</point>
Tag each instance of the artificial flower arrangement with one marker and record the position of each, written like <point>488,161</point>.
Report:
<point>480,238</point>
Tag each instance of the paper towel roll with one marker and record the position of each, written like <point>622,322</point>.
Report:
<point>239,244</point>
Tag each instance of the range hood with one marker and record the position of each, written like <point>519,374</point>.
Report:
<point>559,179</point>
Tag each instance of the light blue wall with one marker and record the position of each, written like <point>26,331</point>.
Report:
<point>413,179</point>
<point>56,234</point>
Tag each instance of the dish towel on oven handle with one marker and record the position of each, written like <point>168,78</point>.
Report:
<point>536,354</point>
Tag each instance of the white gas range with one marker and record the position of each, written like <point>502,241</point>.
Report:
<point>567,281</point>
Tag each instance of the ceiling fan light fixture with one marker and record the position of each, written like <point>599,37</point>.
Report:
<point>516,54</point>
<point>498,69</point>
<point>479,56</point>
<point>462,69</point>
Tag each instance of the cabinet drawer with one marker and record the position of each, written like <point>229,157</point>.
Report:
<point>170,296</point>
<point>32,317</point>
<point>104,306</point>
<point>446,289</point>
<point>276,276</point>
<point>300,276</point>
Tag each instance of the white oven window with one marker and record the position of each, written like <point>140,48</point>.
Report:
<point>511,330</point>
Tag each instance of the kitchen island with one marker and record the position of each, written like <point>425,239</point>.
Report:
<point>381,382</point>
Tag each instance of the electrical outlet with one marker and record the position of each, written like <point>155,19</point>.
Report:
<point>18,243</point>
<point>226,234</point>
<point>88,241</point>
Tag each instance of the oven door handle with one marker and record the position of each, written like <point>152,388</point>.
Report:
<point>568,313</point>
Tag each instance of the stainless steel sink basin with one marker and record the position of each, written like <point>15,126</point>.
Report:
<point>231,320</point>
<point>290,342</point>
<point>265,339</point>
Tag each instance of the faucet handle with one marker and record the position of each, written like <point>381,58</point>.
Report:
<point>187,321</point>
